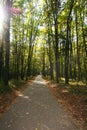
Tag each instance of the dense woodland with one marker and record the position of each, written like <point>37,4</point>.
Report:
<point>47,37</point>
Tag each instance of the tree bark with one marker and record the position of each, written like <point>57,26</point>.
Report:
<point>67,55</point>
<point>67,44</point>
<point>7,45</point>
<point>50,57</point>
<point>77,42</point>
<point>56,50</point>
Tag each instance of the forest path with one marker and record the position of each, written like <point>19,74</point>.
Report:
<point>36,109</point>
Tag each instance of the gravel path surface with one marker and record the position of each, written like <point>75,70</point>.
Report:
<point>36,109</point>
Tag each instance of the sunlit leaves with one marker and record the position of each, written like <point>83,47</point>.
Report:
<point>18,3</point>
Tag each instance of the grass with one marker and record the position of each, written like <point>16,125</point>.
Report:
<point>16,83</point>
<point>77,88</point>
<point>12,84</point>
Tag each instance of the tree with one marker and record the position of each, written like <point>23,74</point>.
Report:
<point>7,44</point>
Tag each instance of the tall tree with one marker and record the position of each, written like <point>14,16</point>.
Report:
<point>7,43</point>
<point>68,42</point>
<point>55,9</point>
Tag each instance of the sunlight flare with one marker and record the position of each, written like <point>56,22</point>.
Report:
<point>85,20</point>
<point>1,17</point>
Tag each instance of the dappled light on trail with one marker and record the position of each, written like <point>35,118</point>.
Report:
<point>36,109</point>
<point>39,80</point>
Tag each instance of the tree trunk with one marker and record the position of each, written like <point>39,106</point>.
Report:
<point>77,42</point>
<point>7,45</point>
<point>50,57</point>
<point>1,60</point>
<point>67,54</point>
<point>67,44</point>
<point>22,55</point>
<point>43,62</point>
<point>70,55</point>
<point>55,8</point>
<point>56,51</point>
<point>84,47</point>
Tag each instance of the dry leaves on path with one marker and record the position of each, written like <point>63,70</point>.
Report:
<point>9,97</point>
<point>75,104</point>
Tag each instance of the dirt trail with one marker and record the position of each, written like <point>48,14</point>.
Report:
<point>36,109</point>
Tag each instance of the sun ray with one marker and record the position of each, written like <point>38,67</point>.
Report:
<point>1,17</point>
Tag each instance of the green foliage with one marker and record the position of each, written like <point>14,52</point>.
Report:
<point>33,43</point>
<point>77,88</point>
<point>19,3</point>
<point>16,83</point>
<point>4,89</point>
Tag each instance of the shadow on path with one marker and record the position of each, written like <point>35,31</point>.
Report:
<point>36,109</point>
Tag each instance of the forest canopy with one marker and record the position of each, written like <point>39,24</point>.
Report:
<point>47,37</point>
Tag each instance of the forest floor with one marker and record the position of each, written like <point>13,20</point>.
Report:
<point>7,98</point>
<point>75,104</point>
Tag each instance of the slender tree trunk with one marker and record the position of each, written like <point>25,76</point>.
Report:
<point>43,63</point>
<point>74,72</point>
<point>67,44</point>
<point>70,55</point>
<point>61,61</point>
<point>17,59</point>
<point>29,61</point>
<point>22,65</point>
<point>22,55</point>
<point>50,55</point>
<point>29,55</point>
<point>7,45</point>
<point>56,50</point>
<point>84,47</point>
<point>67,54</point>
<point>55,7</point>
<point>78,55</point>
<point>1,61</point>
